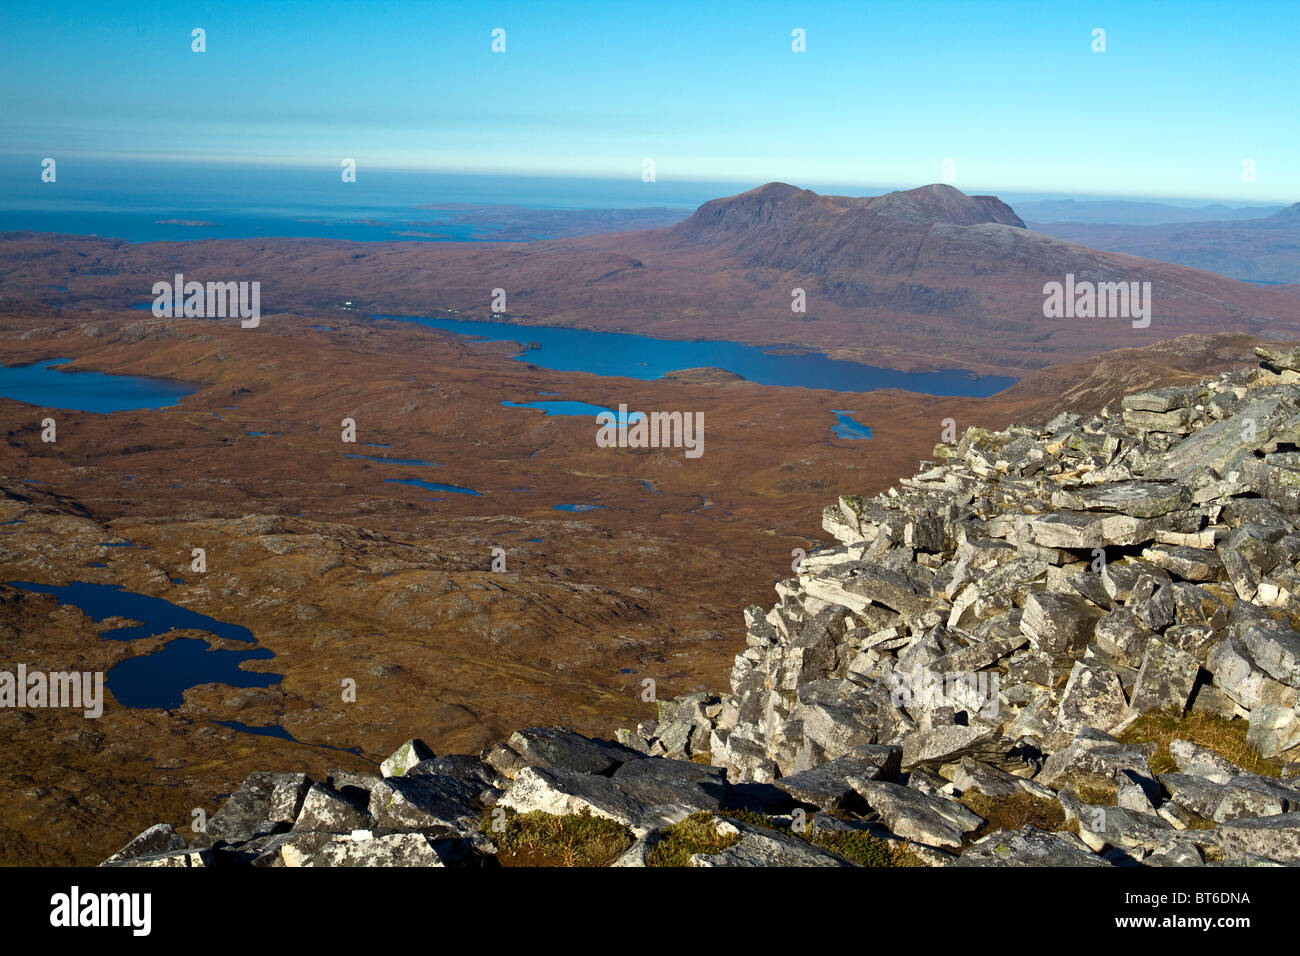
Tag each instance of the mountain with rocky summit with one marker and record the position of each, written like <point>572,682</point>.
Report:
<point>1092,622</point>
<point>927,278</point>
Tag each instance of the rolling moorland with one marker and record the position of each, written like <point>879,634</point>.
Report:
<point>343,574</point>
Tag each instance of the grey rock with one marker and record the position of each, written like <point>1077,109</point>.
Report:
<point>989,780</point>
<point>325,809</point>
<point>870,582</point>
<point>1101,827</point>
<point>429,802</point>
<point>159,838</point>
<point>368,849</point>
<point>678,784</point>
<point>1143,499</point>
<point>464,766</point>
<point>827,786</point>
<point>171,858</point>
<point>1058,625</point>
<point>555,747</point>
<point>287,797</point>
<point>944,742</point>
<point>1237,675</point>
<point>1122,635</point>
<point>1276,651</point>
<point>909,813</point>
<point>1093,697</point>
<point>1198,794</point>
<point>1190,564</point>
<point>1273,837</point>
<point>1251,795</point>
<point>644,795</point>
<point>1165,681</point>
<point>1029,847</point>
<point>1273,730</point>
<point>247,811</point>
<point>406,757</point>
<point>1096,759</point>
<point>1175,853</point>
<point>1193,759</point>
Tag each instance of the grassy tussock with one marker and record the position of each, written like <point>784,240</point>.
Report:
<point>1227,738</point>
<point>695,834</point>
<point>540,839</point>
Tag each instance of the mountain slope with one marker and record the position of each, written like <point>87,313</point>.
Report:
<point>1265,249</point>
<point>926,278</point>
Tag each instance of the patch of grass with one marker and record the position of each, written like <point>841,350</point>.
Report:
<point>1098,796</point>
<point>856,845</point>
<point>758,820</point>
<point>1013,812</point>
<point>864,849</point>
<point>1225,737</point>
<point>706,759</point>
<point>541,839</point>
<point>695,834</point>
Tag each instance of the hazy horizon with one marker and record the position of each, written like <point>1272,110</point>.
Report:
<point>1013,94</point>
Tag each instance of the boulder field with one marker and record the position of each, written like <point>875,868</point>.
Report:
<point>1040,618</point>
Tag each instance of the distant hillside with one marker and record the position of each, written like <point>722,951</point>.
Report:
<point>1126,212</point>
<point>926,278</point>
<point>1260,250</point>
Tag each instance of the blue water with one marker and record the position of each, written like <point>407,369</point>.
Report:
<point>646,358</point>
<point>578,507</point>
<point>847,427</point>
<point>576,408</point>
<point>43,385</point>
<point>416,462</point>
<point>141,201</point>
<point>101,601</point>
<point>160,679</point>
<point>431,485</point>
<point>264,434</point>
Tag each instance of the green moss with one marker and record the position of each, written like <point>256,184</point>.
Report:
<point>542,839</point>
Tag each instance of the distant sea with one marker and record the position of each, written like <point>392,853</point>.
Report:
<point>151,202</point>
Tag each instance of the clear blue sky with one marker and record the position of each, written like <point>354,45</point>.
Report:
<point>1012,92</point>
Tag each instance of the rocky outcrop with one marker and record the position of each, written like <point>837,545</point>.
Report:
<point>992,626</point>
<point>1025,598</point>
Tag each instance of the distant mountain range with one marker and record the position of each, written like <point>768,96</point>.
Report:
<point>1260,249</point>
<point>1127,212</point>
<point>924,278</point>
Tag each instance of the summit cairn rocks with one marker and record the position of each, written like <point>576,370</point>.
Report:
<point>992,629</point>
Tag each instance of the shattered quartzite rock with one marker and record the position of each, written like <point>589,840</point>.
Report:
<point>991,625</point>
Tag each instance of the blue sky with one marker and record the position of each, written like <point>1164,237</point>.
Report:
<point>1011,92</point>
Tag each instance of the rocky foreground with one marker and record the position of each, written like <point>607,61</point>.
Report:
<point>1000,631</point>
